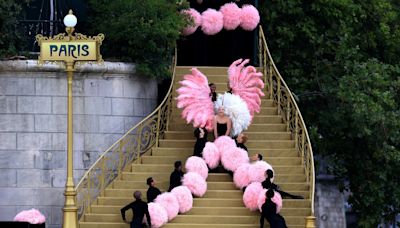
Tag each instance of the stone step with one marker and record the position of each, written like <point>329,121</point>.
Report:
<point>279,169</point>
<point>199,219</point>
<point>267,144</point>
<point>212,177</point>
<point>171,159</point>
<point>251,135</point>
<point>216,79</point>
<point>263,111</point>
<point>101,209</point>
<point>233,194</point>
<point>252,128</point>
<point>264,101</point>
<point>289,187</point>
<point>162,151</point>
<point>204,202</point>
<point>178,225</point>
<point>226,219</point>
<point>272,119</point>
<point>208,71</point>
<point>209,194</point>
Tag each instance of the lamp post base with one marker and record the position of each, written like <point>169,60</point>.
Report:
<point>70,211</point>
<point>310,221</point>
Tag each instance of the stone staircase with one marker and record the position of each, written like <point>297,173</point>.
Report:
<point>222,205</point>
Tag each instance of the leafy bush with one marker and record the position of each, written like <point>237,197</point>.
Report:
<point>10,36</point>
<point>142,31</point>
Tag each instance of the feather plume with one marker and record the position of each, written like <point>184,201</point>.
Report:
<point>194,100</point>
<point>236,109</point>
<point>247,83</point>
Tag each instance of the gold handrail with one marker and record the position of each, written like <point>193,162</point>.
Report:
<point>138,140</point>
<point>287,107</point>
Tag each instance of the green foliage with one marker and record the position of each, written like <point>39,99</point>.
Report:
<point>341,58</point>
<point>10,36</point>
<point>144,32</point>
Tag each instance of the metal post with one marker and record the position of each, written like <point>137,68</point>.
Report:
<point>288,110</point>
<point>278,91</point>
<point>70,209</point>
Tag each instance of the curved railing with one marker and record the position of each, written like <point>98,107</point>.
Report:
<point>138,140</point>
<point>287,107</point>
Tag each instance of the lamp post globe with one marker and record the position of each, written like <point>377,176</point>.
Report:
<point>70,20</point>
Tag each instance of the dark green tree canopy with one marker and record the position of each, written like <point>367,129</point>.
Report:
<point>144,32</point>
<point>341,58</point>
<point>10,34</point>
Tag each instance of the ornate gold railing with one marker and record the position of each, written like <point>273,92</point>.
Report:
<point>287,107</point>
<point>138,140</point>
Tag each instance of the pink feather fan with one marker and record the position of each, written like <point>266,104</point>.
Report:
<point>170,204</point>
<point>184,197</point>
<point>257,171</point>
<point>277,199</point>
<point>249,17</point>
<point>241,176</point>
<point>250,196</point>
<point>196,20</point>
<point>212,22</point>
<point>211,155</point>
<point>232,14</point>
<point>247,83</point>
<point>32,216</point>
<point>233,158</point>
<point>194,99</point>
<point>196,183</point>
<point>197,165</point>
<point>158,215</point>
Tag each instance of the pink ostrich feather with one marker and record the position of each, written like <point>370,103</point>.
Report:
<point>211,155</point>
<point>170,204</point>
<point>277,199</point>
<point>249,17</point>
<point>224,143</point>
<point>194,99</point>
<point>241,176</point>
<point>196,20</point>
<point>158,215</point>
<point>250,196</point>
<point>197,165</point>
<point>184,197</point>
<point>232,15</point>
<point>232,159</point>
<point>32,216</point>
<point>247,83</point>
<point>196,183</point>
<point>257,171</point>
<point>212,22</point>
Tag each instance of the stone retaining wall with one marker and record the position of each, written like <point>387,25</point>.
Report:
<point>108,100</point>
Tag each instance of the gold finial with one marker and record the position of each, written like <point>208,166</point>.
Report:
<point>71,12</point>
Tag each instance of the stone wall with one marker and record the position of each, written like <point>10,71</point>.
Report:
<point>108,100</point>
<point>329,205</point>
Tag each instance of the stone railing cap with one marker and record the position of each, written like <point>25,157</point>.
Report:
<point>33,66</point>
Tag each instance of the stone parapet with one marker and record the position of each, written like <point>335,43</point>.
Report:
<point>109,99</point>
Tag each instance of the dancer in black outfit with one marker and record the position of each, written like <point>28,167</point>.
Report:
<point>201,136</point>
<point>152,192</point>
<point>222,124</point>
<point>268,211</point>
<point>267,184</point>
<point>213,94</point>
<point>175,179</point>
<point>139,209</point>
